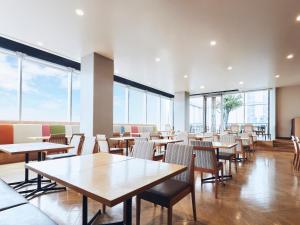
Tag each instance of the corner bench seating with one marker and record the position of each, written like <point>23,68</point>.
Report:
<point>15,209</point>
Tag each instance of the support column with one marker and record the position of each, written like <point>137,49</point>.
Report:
<point>96,95</point>
<point>182,111</point>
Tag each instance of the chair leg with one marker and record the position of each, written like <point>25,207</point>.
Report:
<point>103,208</point>
<point>201,178</point>
<point>230,166</point>
<point>216,184</point>
<point>170,214</point>
<point>138,211</point>
<point>194,204</point>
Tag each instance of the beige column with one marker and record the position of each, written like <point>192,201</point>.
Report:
<point>181,111</point>
<point>96,95</point>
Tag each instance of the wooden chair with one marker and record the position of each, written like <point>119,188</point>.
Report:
<point>58,139</point>
<point>76,141</point>
<point>169,192</point>
<point>229,154</point>
<point>143,150</point>
<point>206,162</point>
<point>248,145</point>
<point>90,146</point>
<point>104,146</point>
<point>296,152</point>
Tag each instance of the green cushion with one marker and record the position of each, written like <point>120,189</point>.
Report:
<point>57,129</point>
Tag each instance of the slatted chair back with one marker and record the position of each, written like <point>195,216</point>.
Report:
<point>248,128</point>
<point>89,146</point>
<point>182,155</point>
<point>297,145</point>
<point>183,136</point>
<point>228,139</point>
<point>103,143</point>
<point>77,142</point>
<point>205,155</point>
<point>58,139</point>
<point>143,150</point>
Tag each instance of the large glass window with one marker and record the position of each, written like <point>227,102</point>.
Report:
<point>196,114</point>
<point>9,86</point>
<point>44,92</point>
<point>256,107</point>
<point>166,121</point>
<point>153,109</point>
<point>120,104</point>
<point>76,97</point>
<point>233,109</point>
<point>137,106</point>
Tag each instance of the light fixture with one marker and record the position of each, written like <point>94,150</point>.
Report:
<point>213,43</point>
<point>241,82</point>
<point>298,18</point>
<point>202,86</point>
<point>185,76</point>
<point>229,68</point>
<point>290,56</point>
<point>79,12</point>
<point>157,59</point>
<point>39,43</point>
<point>277,76</point>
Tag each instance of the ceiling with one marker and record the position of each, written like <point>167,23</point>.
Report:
<point>254,37</point>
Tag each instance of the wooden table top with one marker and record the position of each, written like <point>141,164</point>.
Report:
<point>106,178</point>
<point>217,144</point>
<point>32,147</point>
<point>39,138</point>
<point>164,141</point>
<point>122,138</point>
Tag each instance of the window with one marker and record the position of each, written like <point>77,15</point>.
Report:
<point>196,114</point>
<point>9,86</point>
<point>137,106</point>
<point>75,97</point>
<point>256,107</point>
<point>44,92</point>
<point>233,107</point>
<point>166,121</point>
<point>153,109</point>
<point>120,104</point>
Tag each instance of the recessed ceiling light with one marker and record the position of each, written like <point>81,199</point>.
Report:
<point>213,43</point>
<point>79,12</point>
<point>202,86</point>
<point>277,76</point>
<point>290,56</point>
<point>241,82</point>
<point>157,59</point>
<point>39,43</point>
<point>185,76</point>
<point>298,18</point>
<point>229,68</point>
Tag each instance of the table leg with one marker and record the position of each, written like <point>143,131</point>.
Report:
<point>127,146</point>
<point>85,212</point>
<point>128,212</point>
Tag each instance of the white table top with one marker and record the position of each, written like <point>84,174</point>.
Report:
<point>122,138</point>
<point>32,147</point>
<point>106,178</point>
<point>164,141</point>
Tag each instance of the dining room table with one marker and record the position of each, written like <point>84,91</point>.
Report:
<point>33,148</point>
<point>164,142</point>
<point>125,139</point>
<point>106,178</point>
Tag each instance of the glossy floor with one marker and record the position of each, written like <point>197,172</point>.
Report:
<point>265,191</point>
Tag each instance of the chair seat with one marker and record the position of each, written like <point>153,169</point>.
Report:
<point>26,214</point>
<point>163,193</point>
<point>9,197</point>
<point>226,155</point>
<point>116,150</point>
<point>60,156</point>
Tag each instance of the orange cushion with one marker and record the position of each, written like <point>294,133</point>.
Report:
<point>6,134</point>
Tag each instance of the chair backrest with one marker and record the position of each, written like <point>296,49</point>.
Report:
<point>201,143</point>
<point>89,146</point>
<point>205,155</point>
<point>58,139</point>
<point>143,150</point>
<point>145,135</point>
<point>248,128</point>
<point>182,155</point>
<point>235,128</point>
<point>102,143</point>
<point>228,138</point>
<point>183,136</point>
<point>77,142</point>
